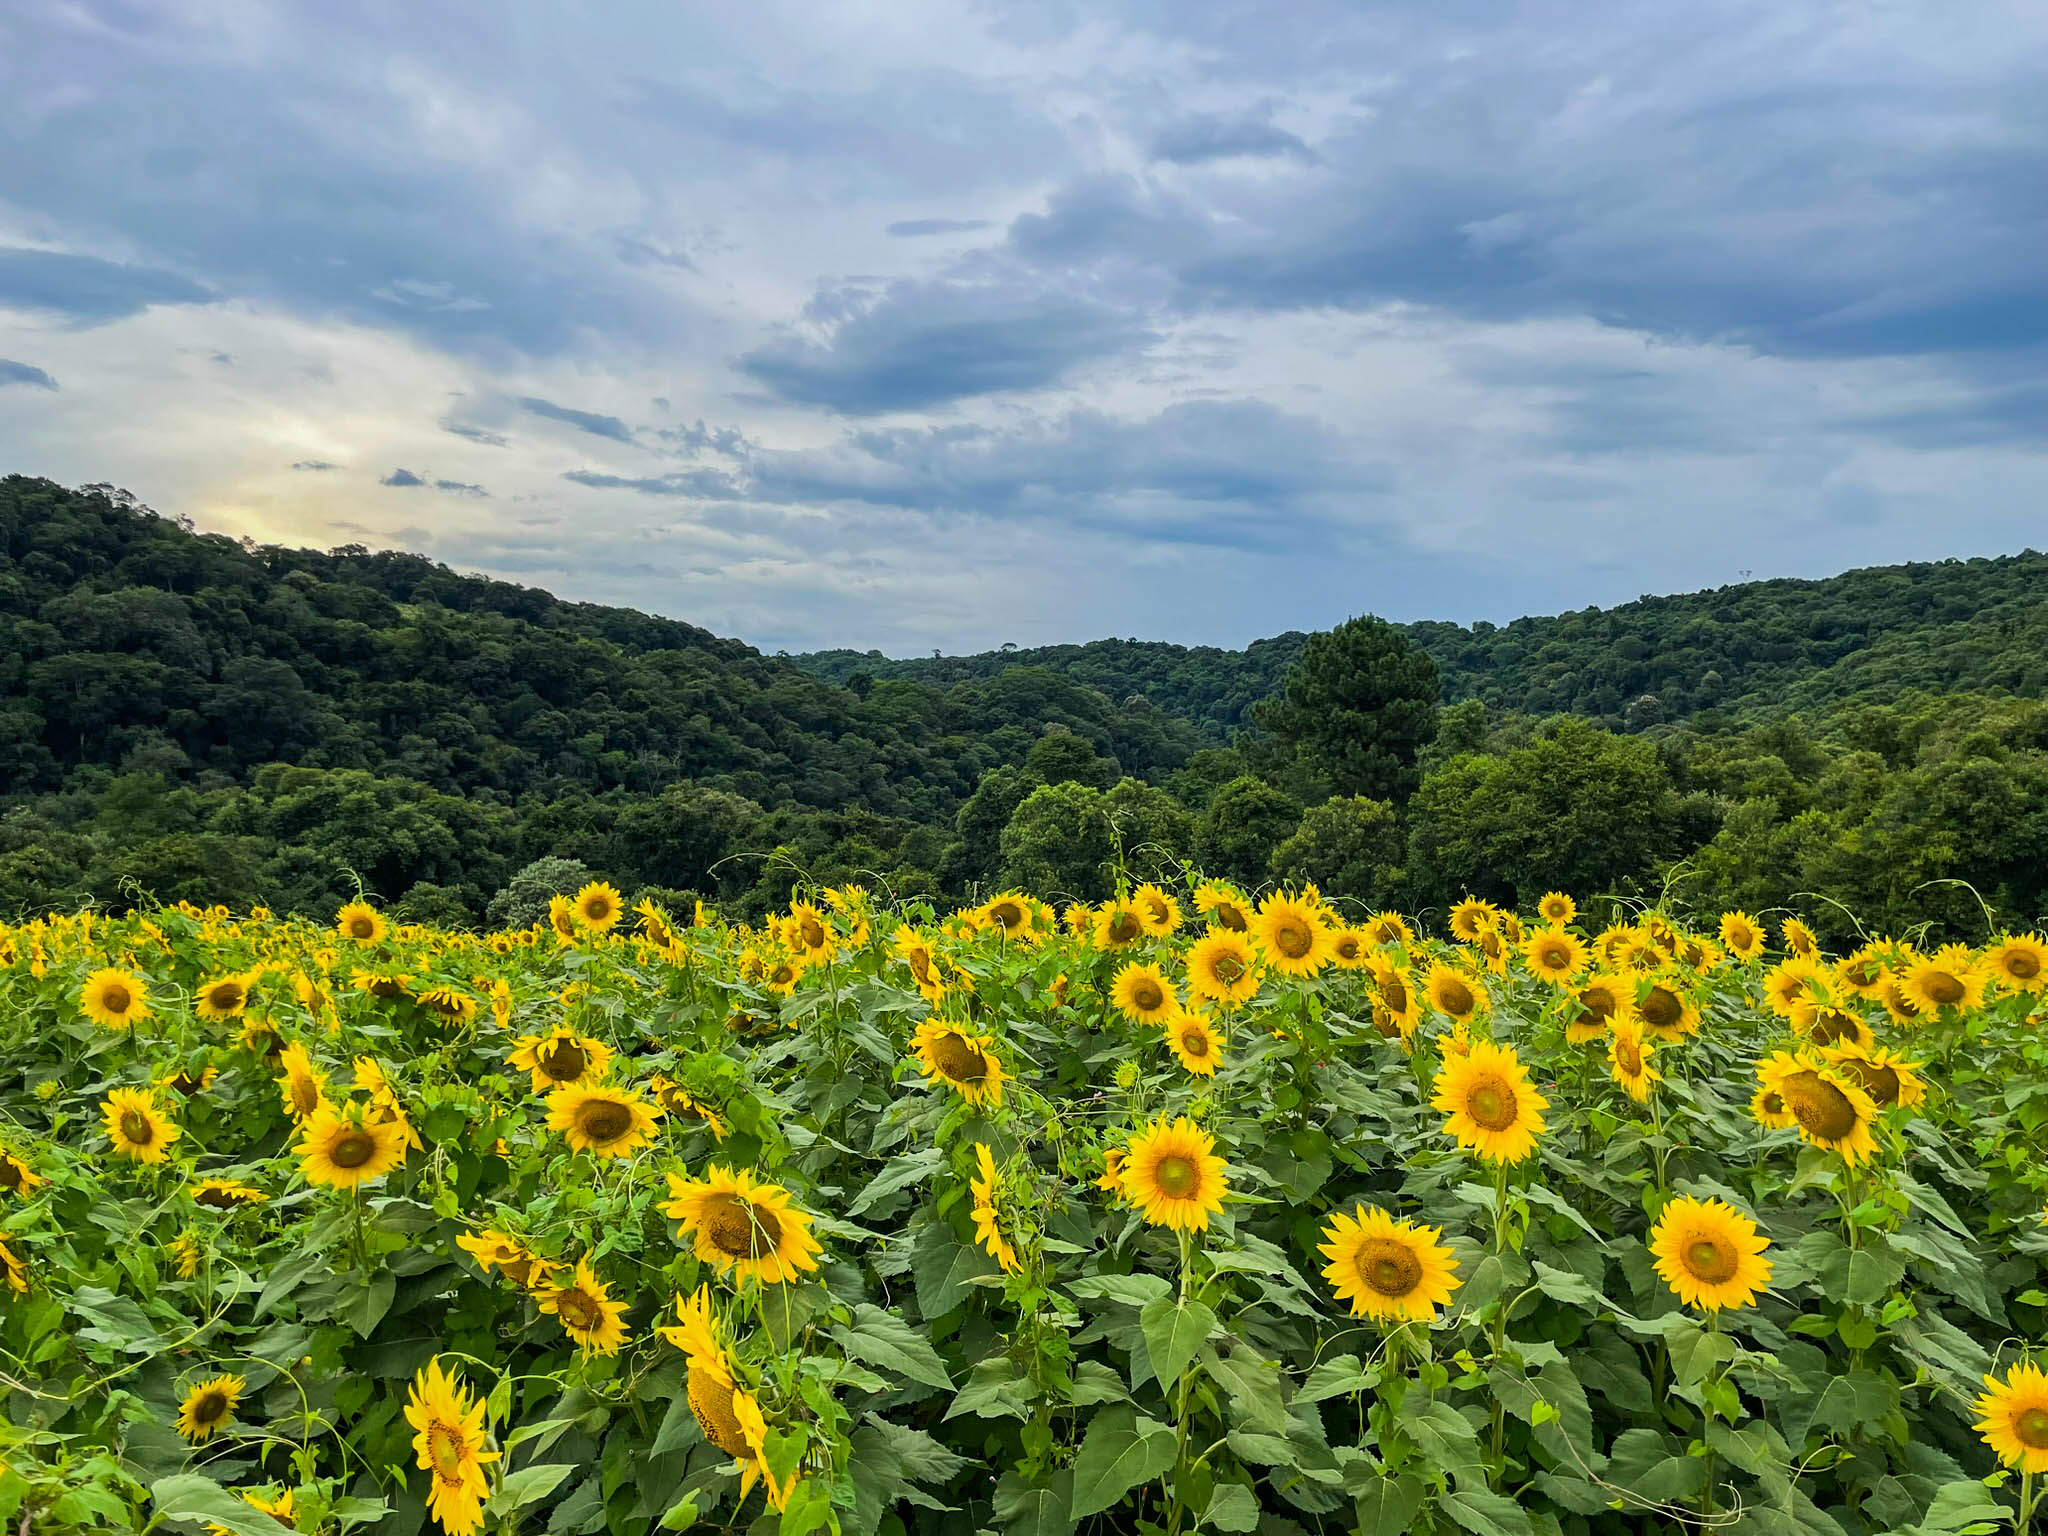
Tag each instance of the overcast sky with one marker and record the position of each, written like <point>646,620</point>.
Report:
<point>925,323</point>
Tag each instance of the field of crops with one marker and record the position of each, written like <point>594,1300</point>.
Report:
<point>1182,1213</point>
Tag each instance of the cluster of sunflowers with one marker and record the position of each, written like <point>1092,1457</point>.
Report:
<point>1559,1182</point>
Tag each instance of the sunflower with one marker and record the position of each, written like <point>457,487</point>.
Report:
<point>449,1440</point>
<point>225,1194</point>
<point>1798,939</point>
<point>1293,940</point>
<point>1493,948</point>
<point>1453,993</point>
<point>1398,1007</point>
<point>1222,967</point>
<point>1385,928</point>
<point>221,998</point>
<point>1902,1008</point>
<point>1628,1061</point>
<point>1603,1003</point>
<point>1195,1042</point>
<point>1395,1271</point>
<point>387,986</point>
<point>2018,962</point>
<point>562,919</point>
<point>1555,955</point>
<point>1888,1078</point>
<point>684,1105</point>
<point>1710,1253</point>
<point>1118,925</point>
<point>1011,914</point>
<point>2013,1418</point>
<point>1144,994</point>
<point>729,1416</point>
<point>586,1311</point>
<point>451,1005</point>
<point>1493,1109</point>
<point>986,1188</point>
<point>1949,978</point>
<point>16,1177</point>
<point>1667,1013</point>
<point>209,1406</point>
<point>1793,981</point>
<point>1863,972</point>
<point>1224,906</point>
<point>1831,1109</point>
<point>347,1146</point>
<point>302,1088</point>
<point>187,1081</point>
<point>807,932</point>
<point>605,1122</point>
<point>278,1506</point>
<point>1112,1179</point>
<point>136,1127</point>
<point>915,950</point>
<point>1172,1174</point>
<point>560,1058</point>
<point>360,922</point>
<point>947,1052</point>
<point>115,998</point>
<point>1472,917</point>
<point>598,906</point>
<point>1556,908</point>
<point>1767,1108</point>
<point>12,1269</point>
<point>506,1254</point>
<point>1159,912</point>
<point>748,1228</point>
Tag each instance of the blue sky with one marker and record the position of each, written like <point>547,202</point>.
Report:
<point>917,324</point>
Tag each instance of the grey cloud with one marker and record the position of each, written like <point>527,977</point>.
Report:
<point>698,438</point>
<point>1211,136</point>
<point>318,465</point>
<point>582,421</point>
<point>87,290</point>
<point>638,252</point>
<point>460,488</point>
<point>476,434</point>
<point>12,372</point>
<point>911,229</point>
<point>703,484</point>
<point>403,478</point>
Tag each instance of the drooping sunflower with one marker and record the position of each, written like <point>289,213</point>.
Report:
<point>451,1005</point>
<point>16,1177</point>
<point>347,1145</point>
<point>1112,1179</point>
<point>986,1188</point>
<point>1472,917</point>
<point>1830,1108</point>
<point>729,1416</point>
<point>1159,912</point>
<point>115,998</point>
<point>807,933</point>
<point>185,1253</point>
<point>917,951</point>
<point>678,1101</point>
<point>1395,1271</point>
<point>1863,972</point>
<point>138,1129</point>
<point>1399,1004</point>
<point>209,1407</point>
<point>1493,1108</point>
<point>1831,1026</point>
<point>1949,978</point>
<point>303,1087</point>
<point>449,1440</point>
<point>1224,906</point>
<point>1453,993</point>
<point>1628,1061</point>
<point>1555,955</point>
<point>1710,1253</point>
<point>951,1054</point>
<point>1291,936</point>
<point>1797,937</point>
<point>360,922</point>
<point>562,918</point>
<point>1144,994</point>
<point>1195,1042</point>
<point>598,906</point>
<point>749,1228</point>
<point>2012,1416</point>
<point>1172,1174</point>
<point>584,1306</point>
<point>225,1194</point>
<point>501,1251</point>
<point>1667,1013</point>
<point>221,998</point>
<point>605,1122</point>
<point>279,1506</point>
<point>1556,908</point>
<point>560,1058</point>
<point>1222,967</point>
<point>1118,925</point>
<point>13,1271</point>
<point>1795,981</point>
<point>1889,1079</point>
<point>2018,962</point>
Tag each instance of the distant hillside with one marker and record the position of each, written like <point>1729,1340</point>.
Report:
<point>1747,652</point>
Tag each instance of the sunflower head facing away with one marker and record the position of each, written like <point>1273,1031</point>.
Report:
<point>950,1054</point>
<point>1172,1174</point>
<point>752,1230</point>
<point>2012,1416</point>
<point>605,1122</point>
<point>1492,1107</point>
<point>1710,1253</point>
<point>1395,1271</point>
<point>209,1407</point>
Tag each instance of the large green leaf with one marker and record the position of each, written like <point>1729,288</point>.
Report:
<point>1174,1330</point>
<point>1121,1450</point>
<point>885,1340</point>
<point>189,1497</point>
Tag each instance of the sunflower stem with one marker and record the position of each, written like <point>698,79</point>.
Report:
<point>1180,1444</point>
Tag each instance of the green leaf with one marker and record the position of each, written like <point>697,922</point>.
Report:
<point>1960,1507</point>
<point>994,1390</point>
<point>364,1307</point>
<point>1233,1507</point>
<point>188,1496</point>
<point>1131,1290</point>
<point>1485,1513</point>
<point>677,1425</point>
<point>1861,1276</point>
<point>1035,1509</point>
<point>809,1509</point>
<point>529,1485</point>
<point>912,1168</point>
<point>1252,1381</point>
<point>1174,1330</point>
<point>115,1320</point>
<point>1443,1435</point>
<point>1387,1506</point>
<point>945,1270</point>
<point>1121,1450</point>
<point>1563,1285</point>
<point>1339,1376</point>
<point>883,1339</point>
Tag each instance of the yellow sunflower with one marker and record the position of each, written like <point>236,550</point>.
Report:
<point>1767,1108</point>
<point>605,1122</point>
<point>598,906</point>
<point>1493,1108</point>
<point>1011,914</point>
<point>948,1053</point>
<point>1144,994</point>
<point>1195,1043</point>
<point>1224,906</point>
<point>1798,938</point>
<point>1830,1108</point>
<point>1794,981</point>
<point>16,1177</point>
<point>1667,1014</point>
<point>1604,1002</point>
<point>115,998</point>
<point>2012,1416</point>
<point>1172,1174</point>
<point>986,1188</point>
<point>1387,928</point>
<point>225,1194</point>
<point>360,922</point>
<point>1889,1079</point>
<point>729,1416</point>
<point>560,1058</point>
<point>345,1146</point>
<point>806,932</point>
<point>1557,909</point>
<point>1293,939</point>
<point>303,1088</point>
<point>1159,912</point>
<point>1454,994</point>
<point>2018,962</point>
<point>562,918</point>
<point>916,950</point>
<point>1710,1253</point>
<point>1399,1004</point>
<point>137,1128</point>
<point>1949,978</point>
<point>501,1251</point>
<point>1831,1026</point>
<point>749,1228</point>
<point>586,1310</point>
<point>209,1407</point>
<point>449,1439</point>
<point>13,1270</point>
<point>1628,1061</point>
<point>1222,967</point>
<point>1350,949</point>
<point>1472,917</point>
<point>221,998</point>
<point>1863,972</point>
<point>684,1105</point>
<point>1555,955</point>
<point>1395,1271</point>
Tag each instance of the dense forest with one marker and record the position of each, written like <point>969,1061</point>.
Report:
<point>185,716</point>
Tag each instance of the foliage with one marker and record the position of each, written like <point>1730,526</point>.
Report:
<point>1354,713</point>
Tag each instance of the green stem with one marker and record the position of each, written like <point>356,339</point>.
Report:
<point>1707,1437</point>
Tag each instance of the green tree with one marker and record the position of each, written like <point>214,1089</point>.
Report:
<point>1061,757</point>
<point>1246,820</point>
<point>1349,846</point>
<point>1058,844</point>
<point>524,899</point>
<point>1355,711</point>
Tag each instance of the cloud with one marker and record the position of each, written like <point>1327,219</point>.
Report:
<point>403,478</point>
<point>1208,137</point>
<point>12,372</point>
<point>915,345</point>
<point>460,488</point>
<point>476,434</point>
<point>911,229</point>
<point>582,421</point>
<point>85,289</point>
<point>704,484</point>
<point>322,464</point>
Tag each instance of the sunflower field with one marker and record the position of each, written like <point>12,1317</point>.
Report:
<point>1182,1213</point>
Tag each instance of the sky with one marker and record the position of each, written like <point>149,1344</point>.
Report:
<point>927,324</point>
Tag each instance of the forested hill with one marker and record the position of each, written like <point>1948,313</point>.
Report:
<point>1751,651</point>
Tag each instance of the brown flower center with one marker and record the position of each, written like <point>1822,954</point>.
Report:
<point>563,1060</point>
<point>116,998</point>
<point>741,1228</point>
<point>1553,957</point>
<point>812,932</point>
<point>1008,915</point>
<point>1347,947</point>
<point>1228,969</point>
<point>1881,1083</point>
<point>2031,1429</point>
<point>226,996</point>
<point>1491,1103</point>
<point>1293,939</point>
<point>604,1120</point>
<point>1146,995</point>
<point>958,1061</point>
<point>1124,928</point>
<point>711,1402</point>
<point>1711,1259</point>
<point>1944,988</point>
<point>1630,1055</point>
<point>1823,1109</point>
<point>445,1449</point>
<point>1453,996</point>
<point>305,1095</point>
<point>1395,991</point>
<point>1388,1267</point>
<point>1194,1042</point>
<point>211,1405</point>
<point>1662,1009</point>
<point>579,1310</point>
<point>1177,1176</point>
<point>136,1128</point>
<point>352,1149</point>
<point>2022,965</point>
<point>361,927</point>
<point>1230,915</point>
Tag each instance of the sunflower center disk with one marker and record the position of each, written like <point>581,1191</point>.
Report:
<point>224,997</point>
<point>1007,913</point>
<point>1194,1042</point>
<point>1711,1259</point>
<point>360,928</point>
<point>1227,969</point>
<point>1396,994</point>
<point>305,1096</point>
<point>1178,1176</point>
<point>578,1310</point>
<point>605,1121</point>
<point>210,1407</point>
<point>1944,989</point>
<point>813,934</point>
<point>1631,1059</point>
<point>741,1228</point>
<point>1147,996</point>
<point>1661,1009</point>
<point>2031,1429</point>
<point>444,1448</point>
<point>1230,917</point>
<point>1455,996</point>
<point>1820,1106</point>
<point>2022,966</point>
<point>958,1060</point>
<point>563,1061</point>
<point>1293,941</point>
<point>352,1149</point>
<point>1390,1268</point>
<point>711,1402</point>
<point>1492,1104</point>
<point>116,999</point>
